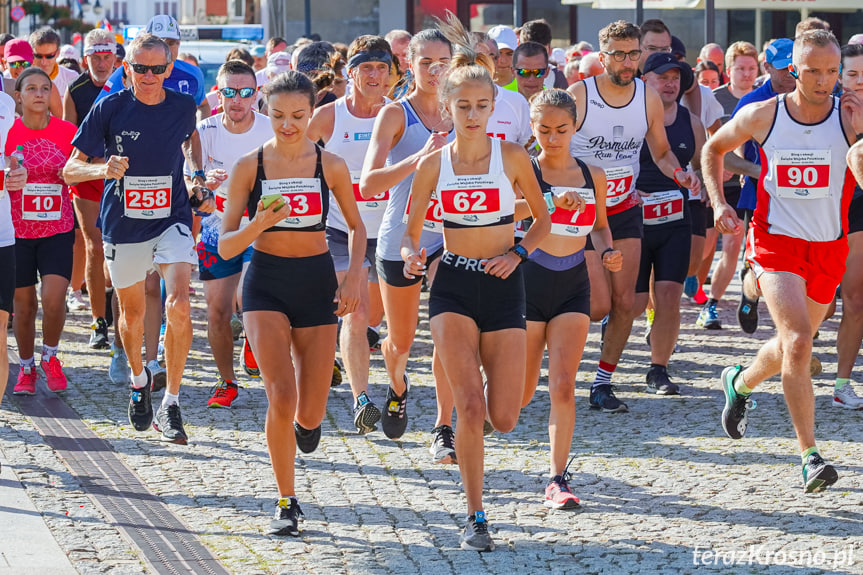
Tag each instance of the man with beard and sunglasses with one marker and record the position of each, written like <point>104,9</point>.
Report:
<point>617,113</point>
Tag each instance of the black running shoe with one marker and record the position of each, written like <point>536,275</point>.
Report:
<point>307,439</point>
<point>99,335</point>
<point>169,423</point>
<point>366,414</point>
<point>374,339</point>
<point>818,474</point>
<point>602,398</point>
<point>395,419</point>
<point>476,536</point>
<point>141,405</point>
<point>737,406</point>
<point>442,448</point>
<point>747,309</point>
<point>658,382</point>
<point>287,517</point>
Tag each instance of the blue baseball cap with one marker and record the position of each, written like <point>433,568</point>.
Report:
<point>778,53</point>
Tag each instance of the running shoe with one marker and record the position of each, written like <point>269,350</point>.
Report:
<point>307,439</point>
<point>236,327</point>
<point>26,384</point>
<point>224,395</point>
<point>118,371</point>
<point>99,335</point>
<point>366,414</point>
<point>737,406</point>
<point>602,398</point>
<point>747,309</point>
<point>247,360</point>
<point>287,517</point>
<point>814,367</point>
<point>337,374</point>
<point>708,317</point>
<point>442,448</point>
<point>558,494</point>
<point>847,398</point>
<point>818,474</point>
<point>395,419</point>
<point>700,297</point>
<point>169,423</point>
<point>160,376</point>
<point>75,301</point>
<point>55,379</point>
<point>650,314</point>
<point>141,406</point>
<point>658,382</point>
<point>476,536</point>
<point>374,339</point>
<point>690,286</point>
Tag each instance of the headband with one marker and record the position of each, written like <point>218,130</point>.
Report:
<point>103,47</point>
<point>369,56</point>
<point>308,66</point>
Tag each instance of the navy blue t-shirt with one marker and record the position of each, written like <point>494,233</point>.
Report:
<point>151,137</point>
<point>748,193</point>
<point>185,78</point>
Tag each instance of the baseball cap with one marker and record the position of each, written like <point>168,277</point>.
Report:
<point>17,51</point>
<point>856,39</point>
<point>258,51</point>
<point>662,62</point>
<point>778,53</point>
<point>558,55</point>
<point>69,52</point>
<point>504,36</point>
<point>164,26</point>
<point>278,62</point>
<point>677,47</point>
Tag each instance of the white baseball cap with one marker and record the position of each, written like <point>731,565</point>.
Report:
<point>278,62</point>
<point>164,26</point>
<point>504,36</point>
<point>559,56</point>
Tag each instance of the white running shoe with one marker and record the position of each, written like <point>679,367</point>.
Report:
<point>847,398</point>
<point>75,301</point>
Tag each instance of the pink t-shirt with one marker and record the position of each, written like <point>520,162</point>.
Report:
<point>42,211</point>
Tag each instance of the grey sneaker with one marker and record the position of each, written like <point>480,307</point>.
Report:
<point>287,517</point>
<point>366,414</point>
<point>442,448</point>
<point>476,536</point>
<point>118,371</point>
<point>818,474</point>
<point>160,376</point>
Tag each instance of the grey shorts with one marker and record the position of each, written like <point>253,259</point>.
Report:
<point>129,264</point>
<point>337,241</point>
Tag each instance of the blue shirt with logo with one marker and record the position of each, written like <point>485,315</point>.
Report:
<point>151,137</point>
<point>749,192</point>
<point>185,78</point>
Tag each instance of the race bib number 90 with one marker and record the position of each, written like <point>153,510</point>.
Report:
<point>618,184</point>
<point>433,221</point>
<point>663,207</point>
<point>802,174</point>
<point>569,222</point>
<point>147,197</point>
<point>375,203</point>
<point>303,195</point>
<point>41,202</point>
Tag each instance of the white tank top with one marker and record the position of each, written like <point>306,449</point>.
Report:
<point>805,179</point>
<point>350,140</point>
<point>611,138</point>
<point>477,199</point>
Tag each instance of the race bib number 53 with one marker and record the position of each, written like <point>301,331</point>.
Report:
<point>147,197</point>
<point>802,174</point>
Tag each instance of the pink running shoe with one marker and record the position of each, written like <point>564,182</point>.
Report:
<point>55,379</point>
<point>26,384</point>
<point>700,297</point>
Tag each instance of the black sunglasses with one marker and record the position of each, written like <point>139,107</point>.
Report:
<point>45,56</point>
<point>143,68</point>
<point>243,92</point>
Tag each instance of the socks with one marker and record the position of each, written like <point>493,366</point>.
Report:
<point>740,385</point>
<point>603,374</point>
<point>49,351</point>
<point>28,362</point>
<point>840,383</point>
<point>807,453</point>
<point>140,380</point>
<point>712,302</point>
<point>170,399</point>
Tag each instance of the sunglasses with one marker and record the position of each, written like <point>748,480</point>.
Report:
<point>143,69</point>
<point>19,64</point>
<point>45,56</point>
<point>528,72</point>
<point>243,92</point>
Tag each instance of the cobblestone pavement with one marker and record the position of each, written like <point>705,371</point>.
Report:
<point>663,490</point>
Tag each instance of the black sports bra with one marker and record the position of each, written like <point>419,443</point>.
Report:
<point>546,187</point>
<point>296,218</point>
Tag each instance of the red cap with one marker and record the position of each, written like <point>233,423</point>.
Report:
<point>18,50</point>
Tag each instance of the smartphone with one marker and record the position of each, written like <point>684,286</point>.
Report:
<point>270,199</point>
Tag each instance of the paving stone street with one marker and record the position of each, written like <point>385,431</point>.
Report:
<point>663,490</point>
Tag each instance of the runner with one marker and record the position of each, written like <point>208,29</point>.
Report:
<point>225,137</point>
<point>291,295</point>
<point>46,50</point>
<point>666,212</point>
<point>557,288</point>
<point>100,48</point>
<point>507,42</point>
<point>796,245</point>
<point>145,214</point>
<point>405,132</point>
<point>530,63</point>
<point>42,215</point>
<point>18,56</point>
<point>851,325</point>
<point>618,114</point>
<point>345,126</point>
<point>476,306</point>
<point>510,120</point>
<point>18,175</point>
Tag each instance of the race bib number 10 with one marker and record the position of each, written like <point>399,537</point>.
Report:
<point>41,202</point>
<point>147,197</point>
<point>802,174</point>
<point>619,184</point>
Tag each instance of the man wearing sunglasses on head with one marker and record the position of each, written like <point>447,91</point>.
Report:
<point>136,140</point>
<point>237,130</point>
<point>617,113</point>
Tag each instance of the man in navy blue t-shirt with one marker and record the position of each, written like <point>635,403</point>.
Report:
<point>145,214</point>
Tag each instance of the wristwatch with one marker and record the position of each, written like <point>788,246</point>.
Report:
<point>519,250</point>
<point>199,173</point>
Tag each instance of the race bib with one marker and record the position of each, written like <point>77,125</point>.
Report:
<point>221,198</point>
<point>41,202</point>
<point>303,195</point>
<point>433,221</point>
<point>663,207</point>
<point>570,223</point>
<point>802,174</point>
<point>618,184</point>
<point>471,200</point>
<point>2,183</point>
<point>375,203</point>
<point>147,197</point>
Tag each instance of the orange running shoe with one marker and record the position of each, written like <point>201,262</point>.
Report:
<point>223,395</point>
<point>247,359</point>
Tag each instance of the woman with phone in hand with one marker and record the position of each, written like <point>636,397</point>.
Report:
<point>291,298</point>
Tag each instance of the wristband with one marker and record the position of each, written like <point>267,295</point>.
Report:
<point>549,202</point>
<point>605,251</point>
<point>199,173</point>
<point>674,175</point>
<point>520,251</point>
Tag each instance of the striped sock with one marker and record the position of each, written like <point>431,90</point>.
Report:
<point>603,374</point>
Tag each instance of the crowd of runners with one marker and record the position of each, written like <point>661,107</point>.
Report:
<point>318,187</point>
